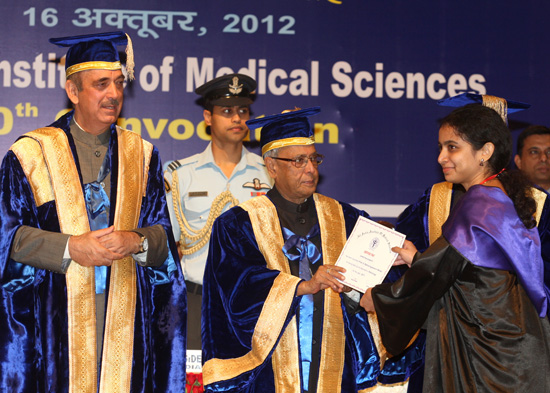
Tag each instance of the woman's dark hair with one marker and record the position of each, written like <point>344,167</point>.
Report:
<point>477,125</point>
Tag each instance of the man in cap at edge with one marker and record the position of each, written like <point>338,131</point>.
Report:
<point>273,313</point>
<point>200,187</point>
<point>84,219</point>
<point>422,221</point>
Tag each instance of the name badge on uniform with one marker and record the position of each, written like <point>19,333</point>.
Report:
<point>198,194</point>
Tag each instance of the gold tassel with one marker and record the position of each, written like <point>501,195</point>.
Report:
<point>497,104</point>
<point>130,59</point>
<point>291,110</point>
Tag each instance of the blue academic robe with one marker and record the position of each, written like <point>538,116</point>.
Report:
<point>237,284</point>
<point>33,302</point>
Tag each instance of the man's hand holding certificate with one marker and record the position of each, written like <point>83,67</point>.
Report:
<point>367,255</point>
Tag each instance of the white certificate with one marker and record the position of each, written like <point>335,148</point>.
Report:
<point>367,255</point>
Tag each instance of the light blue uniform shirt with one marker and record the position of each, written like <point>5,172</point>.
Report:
<point>200,182</point>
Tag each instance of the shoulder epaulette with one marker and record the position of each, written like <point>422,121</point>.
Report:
<point>173,165</point>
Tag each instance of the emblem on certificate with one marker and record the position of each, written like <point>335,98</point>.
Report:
<point>367,255</point>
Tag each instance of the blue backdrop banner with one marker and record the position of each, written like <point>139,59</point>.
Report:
<point>376,68</point>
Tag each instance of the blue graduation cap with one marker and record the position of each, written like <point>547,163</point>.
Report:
<point>96,52</point>
<point>290,128</point>
<point>500,105</point>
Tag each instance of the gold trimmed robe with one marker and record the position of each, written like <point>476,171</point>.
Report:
<point>250,340</point>
<point>55,341</point>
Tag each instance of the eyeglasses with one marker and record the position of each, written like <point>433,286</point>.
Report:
<point>301,161</point>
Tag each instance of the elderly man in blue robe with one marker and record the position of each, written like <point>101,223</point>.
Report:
<point>92,296</point>
<point>275,316</point>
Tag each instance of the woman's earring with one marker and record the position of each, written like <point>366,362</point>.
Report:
<point>481,162</point>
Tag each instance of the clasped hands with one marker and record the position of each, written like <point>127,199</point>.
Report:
<point>103,246</point>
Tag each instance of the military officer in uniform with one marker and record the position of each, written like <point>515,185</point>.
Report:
<point>204,185</point>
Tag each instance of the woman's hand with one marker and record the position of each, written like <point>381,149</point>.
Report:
<point>366,301</point>
<point>406,254</point>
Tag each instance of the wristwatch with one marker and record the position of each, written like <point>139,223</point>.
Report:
<point>143,244</point>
